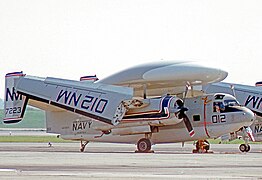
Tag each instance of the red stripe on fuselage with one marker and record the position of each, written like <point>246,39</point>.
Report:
<point>205,118</point>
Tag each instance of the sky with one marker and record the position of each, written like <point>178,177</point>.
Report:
<point>73,38</point>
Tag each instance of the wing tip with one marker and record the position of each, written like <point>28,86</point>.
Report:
<point>12,120</point>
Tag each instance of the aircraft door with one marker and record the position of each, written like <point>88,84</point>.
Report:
<point>213,106</point>
<point>216,116</point>
<point>208,113</point>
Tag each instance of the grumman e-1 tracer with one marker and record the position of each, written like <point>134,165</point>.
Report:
<point>144,105</point>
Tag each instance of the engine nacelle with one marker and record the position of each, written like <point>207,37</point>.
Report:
<point>158,112</point>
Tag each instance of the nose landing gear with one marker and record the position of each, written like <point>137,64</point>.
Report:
<point>244,147</point>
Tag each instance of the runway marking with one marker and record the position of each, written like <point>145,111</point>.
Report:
<point>7,170</point>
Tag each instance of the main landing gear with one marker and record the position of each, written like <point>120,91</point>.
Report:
<point>244,147</point>
<point>83,145</point>
<point>144,146</point>
<point>202,146</point>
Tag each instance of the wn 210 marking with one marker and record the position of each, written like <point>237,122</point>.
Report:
<point>85,102</point>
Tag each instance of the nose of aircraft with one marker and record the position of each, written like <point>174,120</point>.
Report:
<point>249,117</point>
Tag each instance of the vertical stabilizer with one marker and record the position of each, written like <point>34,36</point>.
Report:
<point>14,102</point>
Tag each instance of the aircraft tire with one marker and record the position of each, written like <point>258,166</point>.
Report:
<point>247,147</point>
<point>243,148</point>
<point>144,145</point>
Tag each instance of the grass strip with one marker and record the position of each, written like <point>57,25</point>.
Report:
<point>37,139</point>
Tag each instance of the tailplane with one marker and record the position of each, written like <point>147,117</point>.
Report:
<point>14,103</point>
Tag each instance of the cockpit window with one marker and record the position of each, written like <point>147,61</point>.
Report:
<point>218,107</point>
<point>231,102</point>
<point>219,96</point>
<point>225,106</point>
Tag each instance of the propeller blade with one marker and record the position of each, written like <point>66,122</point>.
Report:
<point>188,126</point>
<point>182,115</point>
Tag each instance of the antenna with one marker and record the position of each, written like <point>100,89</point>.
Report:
<point>232,87</point>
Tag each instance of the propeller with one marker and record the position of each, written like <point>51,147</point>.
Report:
<point>182,115</point>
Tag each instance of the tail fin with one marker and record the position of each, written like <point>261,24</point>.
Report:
<point>14,103</point>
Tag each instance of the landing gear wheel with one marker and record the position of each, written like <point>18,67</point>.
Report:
<point>144,145</point>
<point>248,148</point>
<point>202,146</point>
<point>244,147</point>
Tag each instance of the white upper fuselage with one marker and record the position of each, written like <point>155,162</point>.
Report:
<point>165,77</point>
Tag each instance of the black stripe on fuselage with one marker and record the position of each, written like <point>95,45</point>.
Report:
<point>29,96</point>
<point>147,116</point>
<point>62,106</point>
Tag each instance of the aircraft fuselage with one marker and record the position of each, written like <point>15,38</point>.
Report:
<point>162,127</point>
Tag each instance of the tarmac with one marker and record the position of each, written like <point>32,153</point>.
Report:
<point>119,161</point>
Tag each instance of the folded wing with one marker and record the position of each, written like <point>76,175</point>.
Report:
<point>97,101</point>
